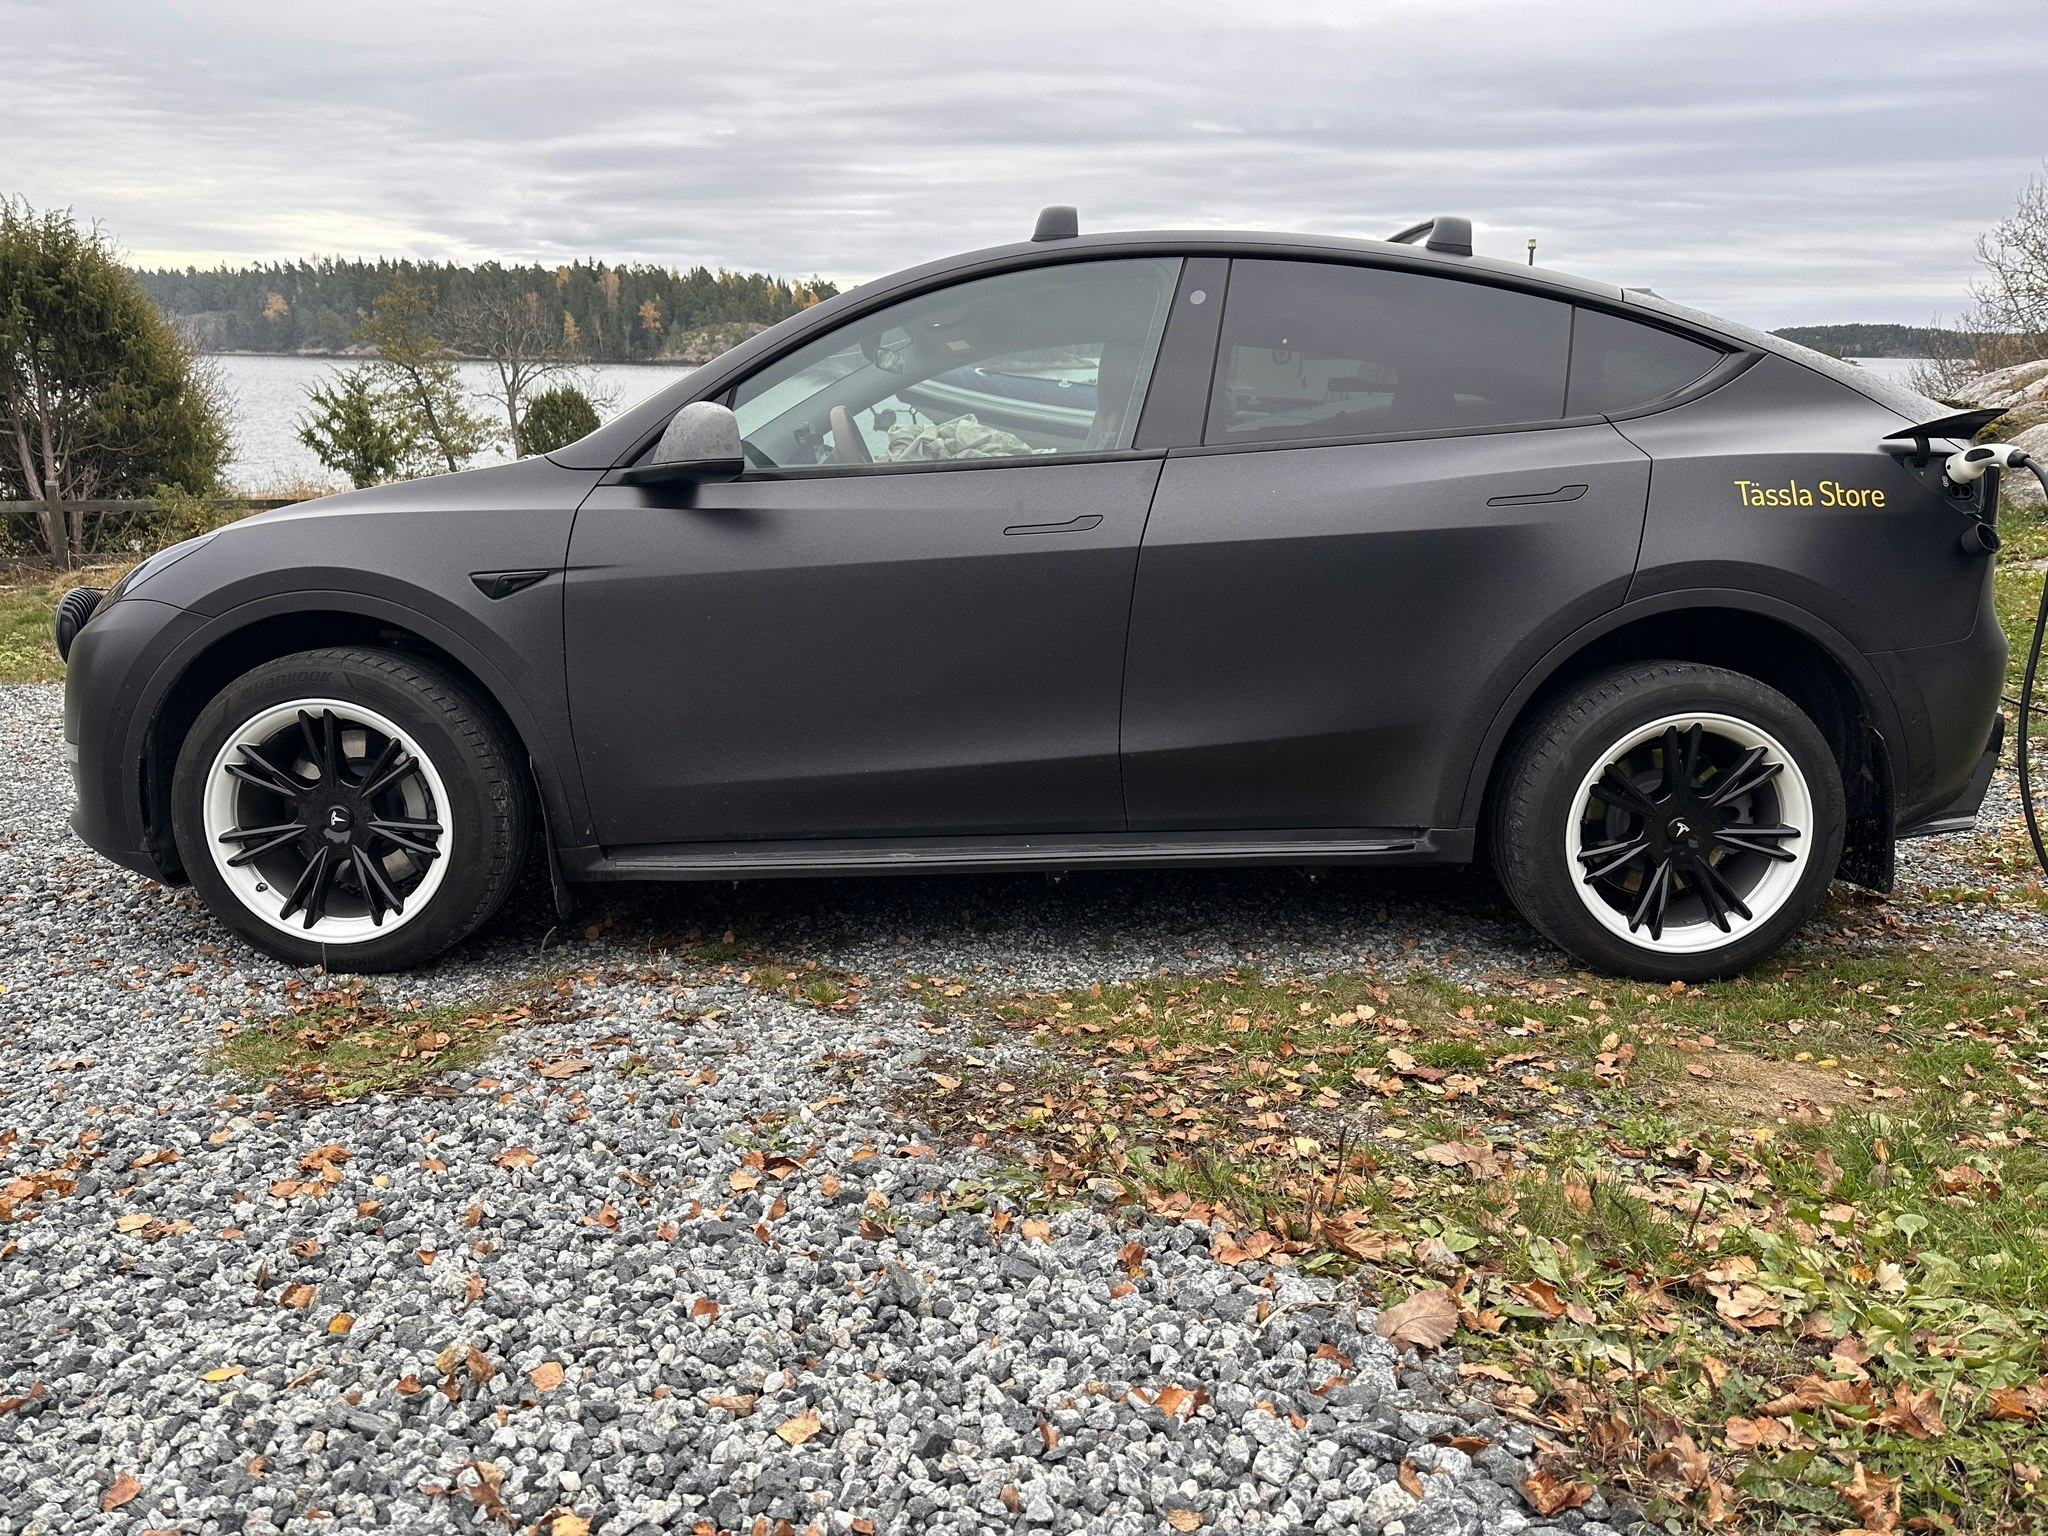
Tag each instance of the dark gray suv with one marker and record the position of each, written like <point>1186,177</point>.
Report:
<point>1128,549</point>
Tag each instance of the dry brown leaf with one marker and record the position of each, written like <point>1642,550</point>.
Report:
<point>1036,1229</point>
<point>121,1491</point>
<point>796,1431</point>
<point>515,1157</point>
<point>569,1523</point>
<point>300,1295</point>
<point>1874,1497</point>
<point>2018,1404</point>
<point>704,1307</point>
<point>1226,1249</point>
<point>1132,1257</point>
<point>478,1364</point>
<point>1549,1494</point>
<point>1914,1413</point>
<point>341,1322</point>
<point>738,1404</point>
<point>1425,1320</point>
<point>546,1376</point>
<point>1184,1519</point>
<point>1172,1399</point>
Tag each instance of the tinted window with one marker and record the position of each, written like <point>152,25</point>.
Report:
<point>1052,360</point>
<point>1617,364</point>
<point>1312,349</point>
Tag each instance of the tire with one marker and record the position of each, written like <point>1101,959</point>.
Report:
<point>1682,873</point>
<point>399,783</point>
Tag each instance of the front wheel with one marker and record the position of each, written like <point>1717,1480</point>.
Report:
<point>353,808</point>
<point>1669,821</point>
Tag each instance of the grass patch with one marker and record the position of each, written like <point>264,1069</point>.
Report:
<point>1768,1253</point>
<point>342,1043</point>
<point>28,607</point>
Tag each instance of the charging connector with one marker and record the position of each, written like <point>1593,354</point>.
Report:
<point>1964,468</point>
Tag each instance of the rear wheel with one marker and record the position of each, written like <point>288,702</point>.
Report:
<point>1669,821</point>
<point>355,808</point>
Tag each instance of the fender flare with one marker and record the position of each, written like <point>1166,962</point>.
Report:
<point>1875,697</point>
<point>550,752</point>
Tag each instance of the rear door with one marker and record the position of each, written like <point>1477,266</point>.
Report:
<point>1390,520</point>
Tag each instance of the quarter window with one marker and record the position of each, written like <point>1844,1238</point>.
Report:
<point>1618,364</point>
<point>1316,350</point>
<point>1053,360</point>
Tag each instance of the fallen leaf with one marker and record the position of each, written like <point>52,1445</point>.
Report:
<point>1410,1481</point>
<point>796,1431</point>
<point>704,1307</point>
<point>546,1376</point>
<point>515,1157</point>
<point>1425,1320</point>
<point>122,1491</point>
<point>1874,1497</point>
<point>1914,1413</point>
<point>1549,1494</point>
<point>300,1295</point>
<point>223,1373</point>
<point>1037,1229</point>
<point>738,1404</point>
<point>134,1221</point>
<point>341,1322</point>
<point>568,1523</point>
<point>1184,1519</point>
<point>1171,1400</point>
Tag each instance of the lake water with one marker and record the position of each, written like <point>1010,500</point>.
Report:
<point>270,396</point>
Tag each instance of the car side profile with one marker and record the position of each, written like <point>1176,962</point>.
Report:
<point>1121,549</point>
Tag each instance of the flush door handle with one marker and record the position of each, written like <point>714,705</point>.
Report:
<point>1079,524</point>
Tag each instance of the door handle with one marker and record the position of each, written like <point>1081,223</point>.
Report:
<point>1079,524</point>
<point>1531,498</point>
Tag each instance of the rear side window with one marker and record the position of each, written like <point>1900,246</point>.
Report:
<point>1314,349</point>
<point>1618,365</point>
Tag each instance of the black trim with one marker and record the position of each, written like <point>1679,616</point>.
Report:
<point>918,466</point>
<point>1176,408</point>
<point>1389,437</point>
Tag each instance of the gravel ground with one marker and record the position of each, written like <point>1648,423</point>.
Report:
<point>699,1279</point>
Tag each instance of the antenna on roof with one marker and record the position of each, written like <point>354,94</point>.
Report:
<point>1447,233</point>
<point>1059,222</point>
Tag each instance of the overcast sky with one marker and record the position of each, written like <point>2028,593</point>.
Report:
<point>1778,162</point>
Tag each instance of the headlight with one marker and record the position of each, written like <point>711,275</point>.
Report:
<point>163,559</point>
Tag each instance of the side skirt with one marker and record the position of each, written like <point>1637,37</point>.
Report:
<point>982,855</point>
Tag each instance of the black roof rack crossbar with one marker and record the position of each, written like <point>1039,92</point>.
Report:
<point>1447,232</point>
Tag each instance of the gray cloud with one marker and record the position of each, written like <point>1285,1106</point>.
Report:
<point>1776,162</point>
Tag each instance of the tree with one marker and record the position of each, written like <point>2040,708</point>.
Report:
<point>2012,297</point>
<point>557,417</point>
<point>99,394</point>
<point>417,371</point>
<point>356,427</point>
<point>521,341</point>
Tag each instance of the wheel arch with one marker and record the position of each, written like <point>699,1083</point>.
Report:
<point>258,632</point>
<point>1802,657</point>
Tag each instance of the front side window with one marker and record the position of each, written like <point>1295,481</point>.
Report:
<point>1315,350</point>
<point>1054,360</point>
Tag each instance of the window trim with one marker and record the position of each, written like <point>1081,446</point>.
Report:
<point>754,476</point>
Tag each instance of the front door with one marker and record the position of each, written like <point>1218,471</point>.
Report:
<point>908,618</point>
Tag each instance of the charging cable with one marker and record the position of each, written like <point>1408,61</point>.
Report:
<point>1962,468</point>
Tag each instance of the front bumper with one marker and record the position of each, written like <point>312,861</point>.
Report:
<point>107,694</point>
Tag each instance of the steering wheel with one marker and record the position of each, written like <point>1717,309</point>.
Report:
<point>848,446</point>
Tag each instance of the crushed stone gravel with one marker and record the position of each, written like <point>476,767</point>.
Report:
<point>701,1277</point>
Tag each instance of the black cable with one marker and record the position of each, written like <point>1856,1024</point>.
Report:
<point>2027,700</point>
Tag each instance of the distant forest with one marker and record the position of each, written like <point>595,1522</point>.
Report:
<point>1880,340</point>
<point>623,314</point>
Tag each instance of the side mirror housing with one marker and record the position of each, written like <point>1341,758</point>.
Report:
<point>701,445</point>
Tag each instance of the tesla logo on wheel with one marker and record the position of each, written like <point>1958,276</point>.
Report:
<point>337,818</point>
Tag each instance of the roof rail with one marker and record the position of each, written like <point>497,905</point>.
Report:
<point>1447,233</point>
<point>1058,222</point>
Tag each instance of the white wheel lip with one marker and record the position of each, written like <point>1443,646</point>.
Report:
<point>1781,879</point>
<point>217,815</point>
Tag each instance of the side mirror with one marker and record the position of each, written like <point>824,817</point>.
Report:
<point>701,444</point>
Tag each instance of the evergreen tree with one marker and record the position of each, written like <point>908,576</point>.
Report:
<point>556,417</point>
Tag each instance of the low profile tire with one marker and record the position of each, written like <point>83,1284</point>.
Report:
<point>1669,821</point>
<point>352,808</point>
